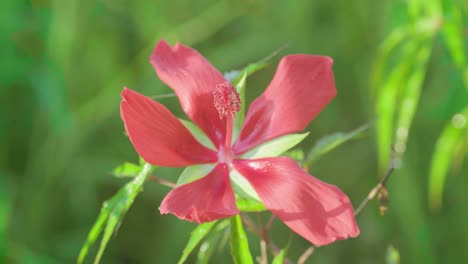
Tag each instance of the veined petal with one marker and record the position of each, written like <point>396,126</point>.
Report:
<point>319,212</point>
<point>203,200</point>
<point>301,87</point>
<point>157,135</point>
<point>194,80</point>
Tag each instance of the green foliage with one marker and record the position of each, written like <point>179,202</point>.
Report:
<point>275,147</point>
<point>398,95</point>
<point>215,242</point>
<point>249,205</point>
<point>239,242</point>
<point>198,134</point>
<point>279,259</point>
<point>64,64</point>
<point>192,173</point>
<point>239,119</point>
<point>330,142</point>
<point>454,136</point>
<point>200,232</point>
<point>126,170</point>
<point>112,213</point>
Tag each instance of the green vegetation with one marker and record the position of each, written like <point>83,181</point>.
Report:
<point>63,64</point>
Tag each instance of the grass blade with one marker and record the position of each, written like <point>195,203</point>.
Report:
<point>239,243</point>
<point>330,142</point>
<point>195,238</point>
<point>112,213</point>
<point>451,137</point>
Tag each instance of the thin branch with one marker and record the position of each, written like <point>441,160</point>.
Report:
<point>263,249</point>
<point>274,53</point>
<point>162,181</point>
<point>309,251</point>
<point>303,258</point>
<point>255,229</point>
<point>270,222</point>
<point>374,190</point>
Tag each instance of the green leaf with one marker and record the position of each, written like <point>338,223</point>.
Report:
<point>249,205</point>
<point>239,243</point>
<point>126,170</point>
<point>236,75</point>
<point>197,235</point>
<point>295,154</point>
<point>112,213</point>
<point>275,147</point>
<point>198,134</point>
<point>330,142</point>
<point>451,137</point>
<point>195,172</point>
<point>239,120</point>
<point>387,101</point>
<point>97,228</point>
<point>279,259</point>
<point>393,256</point>
<point>395,38</point>
<point>212,242</point>
<point>411,94</point>
<point>452,30</point>
<point>241,186</point>
<point>238,79</point>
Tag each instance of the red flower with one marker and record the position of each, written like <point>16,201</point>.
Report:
<point>301,87</point>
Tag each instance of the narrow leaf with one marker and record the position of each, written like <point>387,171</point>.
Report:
<point>249,205</point>
<point>198,134</point>
<point>126,170</point>
<point>211,243</point>
<point>330,142</point>
<point>279,259</point>
<point>275,147</point>
<point>239,120</point>
<point>239,243</point>
<point>96,229</point>
<point>295,154</point>
<point>387,101</point>
<point>452,136</point>
<point>242,187</point>
<point>195,172</point>
<point>411,94</point>
<point>112,213</point>
<point>195,238</point>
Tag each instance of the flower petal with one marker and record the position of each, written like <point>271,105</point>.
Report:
<point>203,200</point>
<point>301,87</point>
<point>319,212</point>
<point>193,79</point>
<point>157,135</point>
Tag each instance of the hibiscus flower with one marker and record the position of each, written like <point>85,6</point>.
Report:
<point>302,86</point>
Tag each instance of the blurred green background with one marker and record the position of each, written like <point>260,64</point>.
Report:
<point>63,65</point>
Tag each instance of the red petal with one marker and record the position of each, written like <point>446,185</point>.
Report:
<point>302,86</point>
<point>203,200</point>
<point>193,79</point>
<point>157,135</point>
<point>319,212</point>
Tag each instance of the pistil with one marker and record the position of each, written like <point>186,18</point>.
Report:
<point>227,102</point>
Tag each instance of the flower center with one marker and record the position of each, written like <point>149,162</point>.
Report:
<point>227,102</point>
<point>225,155</point>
